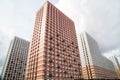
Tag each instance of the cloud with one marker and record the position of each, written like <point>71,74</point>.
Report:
<point>114,52</point>
<point>100,18</point>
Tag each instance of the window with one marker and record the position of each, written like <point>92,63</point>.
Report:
<point>76,47</point>
<point>63,49</point>
<point>57,35</point>
<point>8,75</point>
<point>50,61</point>
<point>68,46</point>
<point>58,67</point>
<point>65,72</point>
<point>73,51</point>
<point>78,55</point>
<point>75,69</point>
<point>63,41</point>
<point>71,77</point>
<point>50,49</point>
<point>57,44</point>
<point>50,74</point>
<point>50,38</point>
<point>70,65</point>
<point>58,55</point>
<point>72,43</point>
<point>15,71</point>
<point>79,65</point>
<point>19,74</point>
<point>69,55</point>
<point>74,60</point>
<point>64,60</point>
<point>13,77</point>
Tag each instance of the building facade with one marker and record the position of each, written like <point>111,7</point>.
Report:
<point>54,52</point>
<point>15,63</point>
<point>0,77</point>
<point>116,65</point>
<point>94,64</point>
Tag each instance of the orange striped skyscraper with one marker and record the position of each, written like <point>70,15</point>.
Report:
<point>53,52</point>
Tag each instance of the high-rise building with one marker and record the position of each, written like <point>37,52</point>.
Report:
<point>94,64</point>
<point>116,65</point>
<point>0,77</point>
<point>54,52</point>
<point>15,64</point>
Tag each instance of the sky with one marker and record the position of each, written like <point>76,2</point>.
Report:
<point>100,18</point>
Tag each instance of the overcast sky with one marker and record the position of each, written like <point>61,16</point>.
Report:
<point>100,18</point>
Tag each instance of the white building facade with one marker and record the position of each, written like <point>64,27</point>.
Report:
<point>94,64</point>
<point>116,65</point>
<point>15,63</point>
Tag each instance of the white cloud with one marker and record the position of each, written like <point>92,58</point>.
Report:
<point>100,18</point>
<point>114,52</point>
